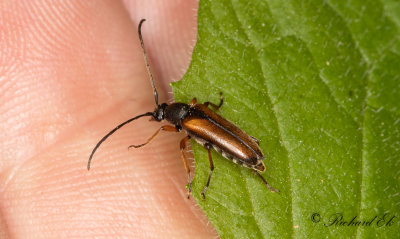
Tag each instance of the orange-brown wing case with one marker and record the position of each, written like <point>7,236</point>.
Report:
<point>205,126</point>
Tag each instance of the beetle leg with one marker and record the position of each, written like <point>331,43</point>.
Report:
<point>193,101</point>
<point>255,139</point>
<point>266,183</point>
<point>216,107</point>
<point>168,128</point>
<point>208,147</point>
<point>185,162</point>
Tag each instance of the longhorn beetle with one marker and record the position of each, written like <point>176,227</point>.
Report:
<point>203,125</point>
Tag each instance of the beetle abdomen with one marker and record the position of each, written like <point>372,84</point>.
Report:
<point>205,126</point>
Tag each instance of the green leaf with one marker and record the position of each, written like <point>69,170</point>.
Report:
<point>318,83</point>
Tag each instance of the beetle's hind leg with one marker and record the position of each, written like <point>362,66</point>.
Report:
<point>185,162</point>
<point>208,147</point>
<point>266,183</point>
<point>255,140</point>
<point>216,107</point>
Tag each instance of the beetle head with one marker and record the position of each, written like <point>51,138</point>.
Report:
<point>159,112</point>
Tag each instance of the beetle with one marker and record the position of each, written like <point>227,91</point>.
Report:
<point>203,125</point>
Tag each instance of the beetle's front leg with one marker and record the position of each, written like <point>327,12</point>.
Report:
<point>168,128</point>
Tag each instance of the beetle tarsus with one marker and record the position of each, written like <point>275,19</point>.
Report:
<point>208,147</point>
<point>203,193</point>
<point>136,146</point>
<point>266,183</point>
<point>190,186</point>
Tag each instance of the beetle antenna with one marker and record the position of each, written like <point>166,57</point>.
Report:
<point>147,60</point>
<point>113,131</point>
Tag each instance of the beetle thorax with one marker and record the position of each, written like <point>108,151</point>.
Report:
<point>175,112</point>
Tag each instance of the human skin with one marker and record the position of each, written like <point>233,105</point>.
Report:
<point>70,71</point>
